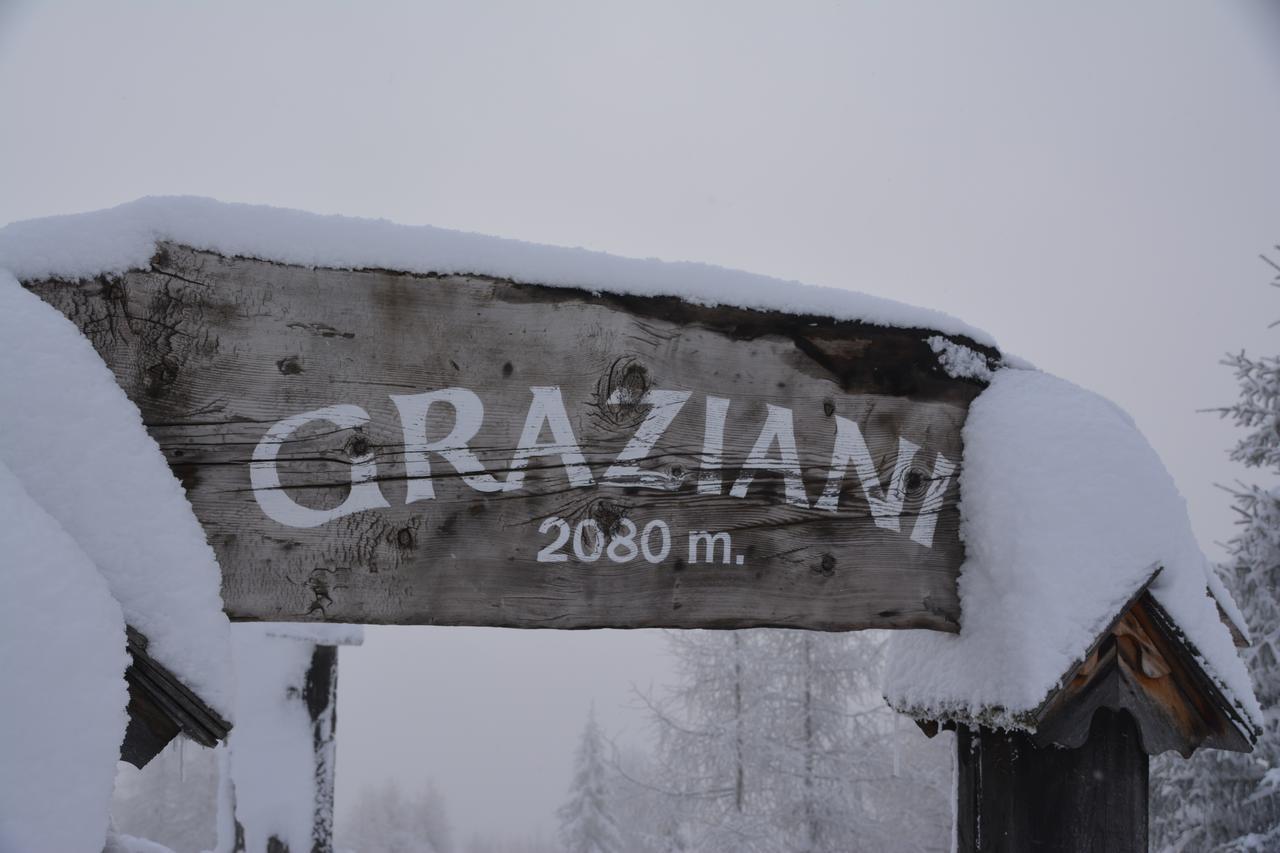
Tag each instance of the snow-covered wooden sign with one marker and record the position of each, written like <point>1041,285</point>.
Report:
<point>382,447</point>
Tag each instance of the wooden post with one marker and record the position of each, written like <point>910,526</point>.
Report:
<point>320,694</point>
<point>1015,796</point>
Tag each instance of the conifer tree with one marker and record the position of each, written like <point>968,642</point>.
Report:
<point>586,820</point>
<point>778,740</point>
<point>712,763</point>
<point>1220,800</point>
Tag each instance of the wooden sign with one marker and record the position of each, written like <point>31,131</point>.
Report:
<point>379,447</point>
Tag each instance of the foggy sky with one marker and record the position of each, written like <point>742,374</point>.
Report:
<point>1092,183</point>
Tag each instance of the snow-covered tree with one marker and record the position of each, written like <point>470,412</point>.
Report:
<point>1219,800</point>
<point>642,809</point>
<point>384,819</point>
<point>173,800</point>
<point>710,767</point>
<point>586,822</point>
<point>778,740</point>
<point>811,736</point>
<point>839,756</point>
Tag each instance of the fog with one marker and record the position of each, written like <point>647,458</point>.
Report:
<point>1091,183</point>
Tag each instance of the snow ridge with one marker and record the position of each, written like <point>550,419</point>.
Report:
<point>113,241</point>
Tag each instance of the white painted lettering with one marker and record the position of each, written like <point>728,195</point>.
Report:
<point>778,428</point>
<point>547,409</point>
<point>927,520</point>
<point>713,446</point>
<point>850,446</point>
<point>468,415</point>
<point>264,476</point>
<point>709,541</point>
<point>663,408</point>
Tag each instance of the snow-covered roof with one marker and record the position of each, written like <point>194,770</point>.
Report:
<point>79,448</point>
<point>1065,511</point>
<point>122,238</point>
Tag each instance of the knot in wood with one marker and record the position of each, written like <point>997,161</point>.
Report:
<point>289,366</point>
<point>161,375</point>
<point>357,447</point>
<point>623,391</point>
<point>112,289</point>
<point>608,515</point>
<point>917,482</point>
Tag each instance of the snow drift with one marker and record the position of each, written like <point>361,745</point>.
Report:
<point>1065,511</point>
<point>122,238</point>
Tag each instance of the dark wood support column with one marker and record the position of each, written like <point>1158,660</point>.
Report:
<point>1014,796</point>
<point>321,694</point>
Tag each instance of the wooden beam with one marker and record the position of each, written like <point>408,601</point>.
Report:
<point>1238,638</point>
<point>320,693</point>
<point>161,707</point>
<point>677,431</point>
<point>1199,707</point>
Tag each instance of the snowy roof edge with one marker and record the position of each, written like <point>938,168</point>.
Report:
<point>1064,559</point>
<point>114,240</point>
<point>1228,606</point>
<point>998,716</point>
<point>1029,720</point>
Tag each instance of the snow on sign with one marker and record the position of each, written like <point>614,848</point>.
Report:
<point>385,447</point>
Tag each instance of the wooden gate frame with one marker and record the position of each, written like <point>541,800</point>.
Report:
<point>1139,690</point>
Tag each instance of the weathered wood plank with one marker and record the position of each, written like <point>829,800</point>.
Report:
<point>225,357</point>
<point>1014,796</point>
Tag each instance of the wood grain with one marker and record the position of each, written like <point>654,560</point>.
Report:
<point>1014,796</point>
<point>215,351</point>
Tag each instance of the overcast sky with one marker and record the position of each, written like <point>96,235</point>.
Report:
<point>1090,182</point>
